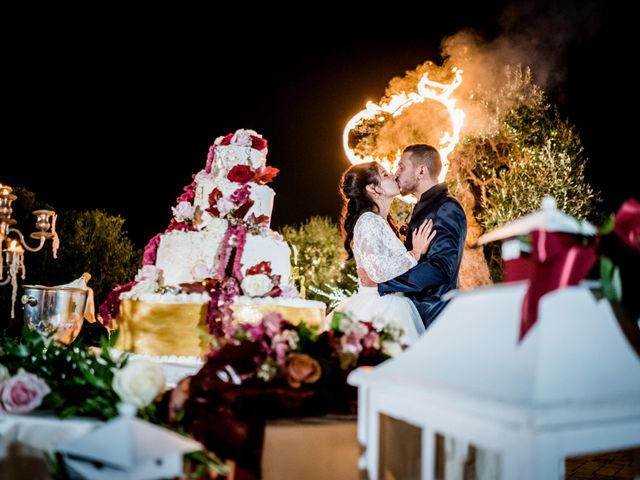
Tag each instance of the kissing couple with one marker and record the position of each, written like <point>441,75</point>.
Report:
<point>401,282</point>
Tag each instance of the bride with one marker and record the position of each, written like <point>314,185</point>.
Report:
<point>371,237</point>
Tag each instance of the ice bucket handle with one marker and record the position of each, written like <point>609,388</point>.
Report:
<point>28,299</point>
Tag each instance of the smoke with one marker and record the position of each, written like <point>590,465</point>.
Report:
<point>533,34</point>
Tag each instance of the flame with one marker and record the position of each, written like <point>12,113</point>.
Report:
<point>427,89</point>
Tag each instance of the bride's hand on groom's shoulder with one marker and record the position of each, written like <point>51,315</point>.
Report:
<point>365,281</point>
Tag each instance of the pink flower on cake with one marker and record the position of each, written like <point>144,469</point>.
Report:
<point>184,211</point>
<point>189,193</point>
<point>241,174</point>
<point>210,156</point>
<point>241,195</point>
<point>22,393</point>
<point>288,291</point>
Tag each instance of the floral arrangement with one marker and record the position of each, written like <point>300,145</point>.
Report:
<point>294,352</point>
<point>275,369</point>
<point>71,381</point>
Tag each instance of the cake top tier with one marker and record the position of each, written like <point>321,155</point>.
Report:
<point>244,147</point>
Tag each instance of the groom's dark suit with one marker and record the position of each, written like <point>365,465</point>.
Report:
<point>437,272</point>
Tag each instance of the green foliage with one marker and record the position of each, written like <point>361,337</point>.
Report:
<point>321,257</point>
<point>529,152</point>
<point>79,379</point>
<point>96,242</point>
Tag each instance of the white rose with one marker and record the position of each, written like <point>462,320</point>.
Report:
<point>242,138</point>
<point>139,383</point>
<point>391,348</point>
<point>4,373</point>
<point>256,285</point>
<point>200,271</point>
<point>225,205</point>
<point>184,211</point>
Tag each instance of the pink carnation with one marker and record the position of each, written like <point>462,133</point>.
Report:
<point>189,193</point>
<point>210,155</point>
<point>151,251</point>
<point>111,305</point>
<point>272,323</point>
<point>22,393</point>
<point>241,195</point>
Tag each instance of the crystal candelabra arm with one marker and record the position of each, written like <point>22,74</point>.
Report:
<point>23,242</point>
<point>5,281</point>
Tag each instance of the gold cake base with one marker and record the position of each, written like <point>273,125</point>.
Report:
<point>180,328</point>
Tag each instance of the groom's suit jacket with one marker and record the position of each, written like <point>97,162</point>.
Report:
<point>437,271</point>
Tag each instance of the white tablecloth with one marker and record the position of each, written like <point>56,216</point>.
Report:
<point>42,431</point>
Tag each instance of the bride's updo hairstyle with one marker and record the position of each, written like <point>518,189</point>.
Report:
<point>353,186</point>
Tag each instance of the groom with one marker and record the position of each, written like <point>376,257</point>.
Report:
<point>437,271</point>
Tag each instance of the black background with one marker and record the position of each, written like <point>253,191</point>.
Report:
<point>116,110</point>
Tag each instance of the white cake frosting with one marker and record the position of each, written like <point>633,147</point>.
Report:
<point>279,301</point>
<point>261,195</point>
<point>228,156</point>
<point>182,254</point>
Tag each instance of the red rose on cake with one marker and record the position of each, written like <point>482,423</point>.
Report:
<point>241,174</point>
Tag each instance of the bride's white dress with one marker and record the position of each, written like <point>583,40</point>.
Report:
<point>381,254</point>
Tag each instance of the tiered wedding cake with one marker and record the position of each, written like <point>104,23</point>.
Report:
<point>217,262</point>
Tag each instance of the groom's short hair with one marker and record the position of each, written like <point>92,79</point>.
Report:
<point>423,154</point>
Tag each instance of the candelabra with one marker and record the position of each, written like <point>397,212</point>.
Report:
<point>13,243</point>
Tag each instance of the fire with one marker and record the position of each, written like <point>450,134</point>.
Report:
<point>427,89</point>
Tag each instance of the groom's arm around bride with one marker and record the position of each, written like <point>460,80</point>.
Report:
<point>437,271</point>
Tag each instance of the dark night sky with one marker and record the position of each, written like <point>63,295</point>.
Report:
<point>138,102</point>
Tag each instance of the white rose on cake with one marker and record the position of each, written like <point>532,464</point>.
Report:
<point>184,211</point>
<point>242,138</point>
<point>225,205</point>
<point>147,272</point>
<point>200,271</point>
<point>256,285</point>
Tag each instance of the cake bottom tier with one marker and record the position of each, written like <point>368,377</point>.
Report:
<point>180,329</point>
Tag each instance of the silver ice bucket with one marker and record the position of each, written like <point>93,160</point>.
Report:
<point>56,311</point>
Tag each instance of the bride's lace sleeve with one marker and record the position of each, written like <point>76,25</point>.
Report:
<point>378,251</point>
